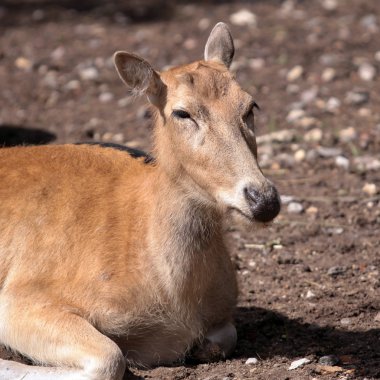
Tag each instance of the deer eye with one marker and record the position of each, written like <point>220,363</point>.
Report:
<point>181,114</point>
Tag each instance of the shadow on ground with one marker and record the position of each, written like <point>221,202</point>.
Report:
<point>266,334</point>
<point>13,135</point>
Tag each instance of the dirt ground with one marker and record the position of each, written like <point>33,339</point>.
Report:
<point>309,283</point>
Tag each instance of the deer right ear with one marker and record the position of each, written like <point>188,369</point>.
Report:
<point>139,75</point>
<point>220,46</point>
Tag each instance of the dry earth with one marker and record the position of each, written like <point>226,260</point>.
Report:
<point>310,283</point>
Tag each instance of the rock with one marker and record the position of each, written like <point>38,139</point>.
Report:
<point>295,73</point>
<point>364,112</point>
<point>314,135</point>
<point>107,136</point>
<point>292,88</point>
<point>335,230</point>
<point>309,95</point>
<point>342,162</point>
<point>367,163</point>
<point>299,363</point>
<point>299,155</point>
<point>369,22</point>
<point>347,134</point>
<point>366,72</point>
<point>244,17</point>
<point>295,208</point>
<point>329,59</point>
<point>106,97</point>
<point>327,152</point>
<point>58,53</point>
<point>72,85</point>
<point>118,138</point>
<point>377,317</point>
<point>345,321</point>
<point>335,271</point>
<point>312,210</point>
<point>326,369</point>
<point>329,5</point>
<point>311,155</point>
<point>294,115</point>
<point>285,160</point>
<point>23,63</point>
<point>123,102</point>
<point>283,135</point>
<point>357,97</point>
<point>256,63</point>
<point>309,295</point>
<point>377,56</point>
<point>370,189</point>
<point>328,360</point>
<point>251,361</point>
<point>204,23</point>
<point>333,104</point>
<point>307,122</point>
<point>190,44</point>
<point>328,74</point>
<point>286,199</point>
<point>89,73</point>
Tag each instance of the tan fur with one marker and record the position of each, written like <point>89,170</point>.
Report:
<point>103,256</point>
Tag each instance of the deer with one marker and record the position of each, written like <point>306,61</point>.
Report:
<point>109,261</point>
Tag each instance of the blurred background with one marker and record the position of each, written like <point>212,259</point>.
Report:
<point>310,283</point>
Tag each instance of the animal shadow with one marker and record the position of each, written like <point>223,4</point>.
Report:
<point>267,334</point>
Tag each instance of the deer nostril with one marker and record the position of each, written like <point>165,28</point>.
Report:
<point>264,205</point>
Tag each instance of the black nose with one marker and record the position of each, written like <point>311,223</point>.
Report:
<point>265,205</point>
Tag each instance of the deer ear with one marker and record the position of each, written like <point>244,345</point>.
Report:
<point>139,76</point>
<point>220,46</point>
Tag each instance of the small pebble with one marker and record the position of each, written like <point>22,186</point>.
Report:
<point>309,295</point>
<point>367,163</point>
<point>364,112</point>
<point>58,53</point>
<point>328,360</point>
<point>370,189</point>
<point>377,317</point>
<point>89,73</point>
<point>123,102</point>
<point>257,63</point>
<point>327,152</point>
<point>106,97</point>
<point>342,162</point>
<point>377,56</point>
<point>299,155</point>
<point>357,97</point>
<point>299,363</point>
<point>204,23</point>
<point>309,95</point>
<point>295,73</point>
<point>345,321</point>
<point>314,135</point>
<point>370,23</point>
<point>329,5</point>
<point>328,74</point>
<point>312,210</point>
<point>367,72</point>
<point>333,104</point>
<point>72,85</point>
<point>23,63</point>
<point>347,134</point>
<point>251,361</point>
<point>295,208</point>
<point>307,122</point>
<point>286,199</point>
<point>335,271</point>
<point>294,115</point>
<point>244,17</point>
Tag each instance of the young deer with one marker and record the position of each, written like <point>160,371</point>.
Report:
<point>106,259</point>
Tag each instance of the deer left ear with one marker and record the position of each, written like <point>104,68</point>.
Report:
<point>220,46</point>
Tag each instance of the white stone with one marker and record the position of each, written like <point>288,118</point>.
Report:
<point>256,63</point>
<point>370,189</point>
<point>367,72</point>
<point>333,104</point>
<point>294,115</point>
<point>328,74</point>
<point>105,97</point>
<point>342,162</point>
<point>295,208</point>
<point>251,361</point>
<point>89,73</point>
<point>244,17</point>
<point>330,5</point>
<point>295,73</point>
<point>286,199</point>
<point>72,85</point>
<point>310,295</point>
<point>299,155</point>
<point>299,363</point>
<point>58,53</point>
<point>204,23</point>
<point>347,134</point>
<point>314,135</point>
